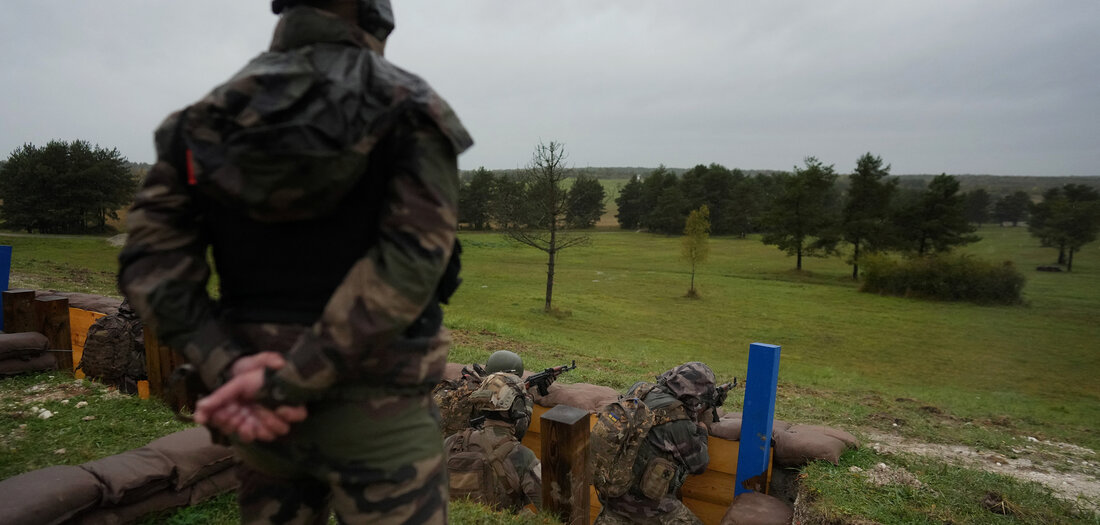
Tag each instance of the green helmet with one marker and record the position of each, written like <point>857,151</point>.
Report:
<point>504,361</point>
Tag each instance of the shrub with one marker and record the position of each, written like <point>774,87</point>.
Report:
<point>943,277</point>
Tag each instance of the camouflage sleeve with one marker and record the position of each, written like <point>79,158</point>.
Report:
<point>163,268</point>
<point>387,289</point>
<point>530,475</point>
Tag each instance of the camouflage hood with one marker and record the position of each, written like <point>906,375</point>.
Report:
<point>290,134</point>
<point>689,381</point>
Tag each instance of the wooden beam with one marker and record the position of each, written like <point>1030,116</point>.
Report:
<point>18,311</point>
<point>51,315</point>
<point>565,476</point>
<point>152,364</point>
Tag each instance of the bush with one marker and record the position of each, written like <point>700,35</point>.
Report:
<point>943,277</point>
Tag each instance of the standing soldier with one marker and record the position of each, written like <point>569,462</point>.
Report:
<point>488,463</point>
<point>453,396</point>
<point>675,446</point>
<point>324,178</point>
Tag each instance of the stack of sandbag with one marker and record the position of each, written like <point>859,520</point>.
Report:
<point>578,395</point>
<point>181,469</point>
<point>795,445</point>
<point>24,352</point>
<point>754,508</point>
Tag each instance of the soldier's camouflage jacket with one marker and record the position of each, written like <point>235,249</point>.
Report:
<point>683,442</point>
<point>281,155</point>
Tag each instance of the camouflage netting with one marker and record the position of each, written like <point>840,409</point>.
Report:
<point>180,469</point>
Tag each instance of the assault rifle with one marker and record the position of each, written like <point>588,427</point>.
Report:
<point>543,379</point>
<point>720,393</point>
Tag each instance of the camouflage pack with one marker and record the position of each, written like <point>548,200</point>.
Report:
<point>620,429</point>
<point>114,350</point>
<point>453,399</point>
<point>478,468</point>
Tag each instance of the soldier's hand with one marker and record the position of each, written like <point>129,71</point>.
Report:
<point>232,410</point>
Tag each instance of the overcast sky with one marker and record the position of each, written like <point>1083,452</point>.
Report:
<point>1001,87</point>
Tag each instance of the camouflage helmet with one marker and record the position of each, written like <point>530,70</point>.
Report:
<point>501,392</point>
<point>375,16</point>
<point>692,381</point>
<point>504,361</point>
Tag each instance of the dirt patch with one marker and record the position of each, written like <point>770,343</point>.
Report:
<point>1070,471</point>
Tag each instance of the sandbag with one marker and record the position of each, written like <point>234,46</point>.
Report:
<point>801,444</point>
<point>87,301</point>
<point>579,395</point>
<point>50,495</point>
<point>17,365</point>
<point>23,345</point>
<point>219,483</point>
<point>452,371</point>
<point>193,454</point>
<point>729,426</point>
<point>132,476</point>
<point>754,508</point>
<point>135,510</point>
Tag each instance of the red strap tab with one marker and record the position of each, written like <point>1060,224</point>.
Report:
<point>191,169</point>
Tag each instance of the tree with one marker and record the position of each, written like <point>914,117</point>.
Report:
<point>934,220</point>
<point>664,205</point>
<point>538,218</point>
<point>977,204</point>
<point>695,246</point>
<point>475,200</point>
<point>803,215</point>
<point>631,205</point>
<point>64,187</point>
<point>865,221</point>
<point>1068,219</point>
<point>1012,208</point>
<point>585,202</point>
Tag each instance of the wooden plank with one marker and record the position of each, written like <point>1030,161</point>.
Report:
<point>709,513</point>
<point>152,364</point>
<point>711,486</point>
<point>18,311</point>
<point>51,314</point>
<point>565,486</point>
<point>80,321</point>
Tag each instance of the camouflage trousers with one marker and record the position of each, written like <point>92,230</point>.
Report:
<point>375,460</point>
<point>680,515</point>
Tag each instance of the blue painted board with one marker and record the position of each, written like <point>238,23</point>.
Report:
<point>5,274</point>
<point>757,417</point>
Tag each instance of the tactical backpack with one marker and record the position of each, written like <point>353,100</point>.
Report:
<point>453,398</point>
<point>478,468</point>
<point>620,429</point>
<point>114,351</point>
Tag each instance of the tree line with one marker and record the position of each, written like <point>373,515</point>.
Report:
<point>64,187</point>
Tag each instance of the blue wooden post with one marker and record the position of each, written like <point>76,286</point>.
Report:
<point>5,274</point>
<point>757,416</point>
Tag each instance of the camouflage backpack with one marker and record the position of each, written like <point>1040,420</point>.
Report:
<point>453,398</point>
<point>478,468</point>
<point>620,429</point>
<point>114,350</point>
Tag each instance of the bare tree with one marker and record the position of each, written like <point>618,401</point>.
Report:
<point>539,220</point>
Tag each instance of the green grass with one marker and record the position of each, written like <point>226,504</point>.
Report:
<point>984,376</point>
<point>1031,366</point>
<point>946,494</point>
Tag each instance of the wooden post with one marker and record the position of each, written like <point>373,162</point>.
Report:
<point>18,311</point>
<point>565,476</point>
<point>757,417</point>
<point>160,362</point>
<point>51,314</point>
<point>153,355</point>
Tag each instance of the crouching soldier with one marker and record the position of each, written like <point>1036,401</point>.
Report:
<point>643,454</point>
<point>453,396</point>
<point>487,463</point>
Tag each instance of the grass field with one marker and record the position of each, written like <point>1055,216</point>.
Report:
<point>982,376</point>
